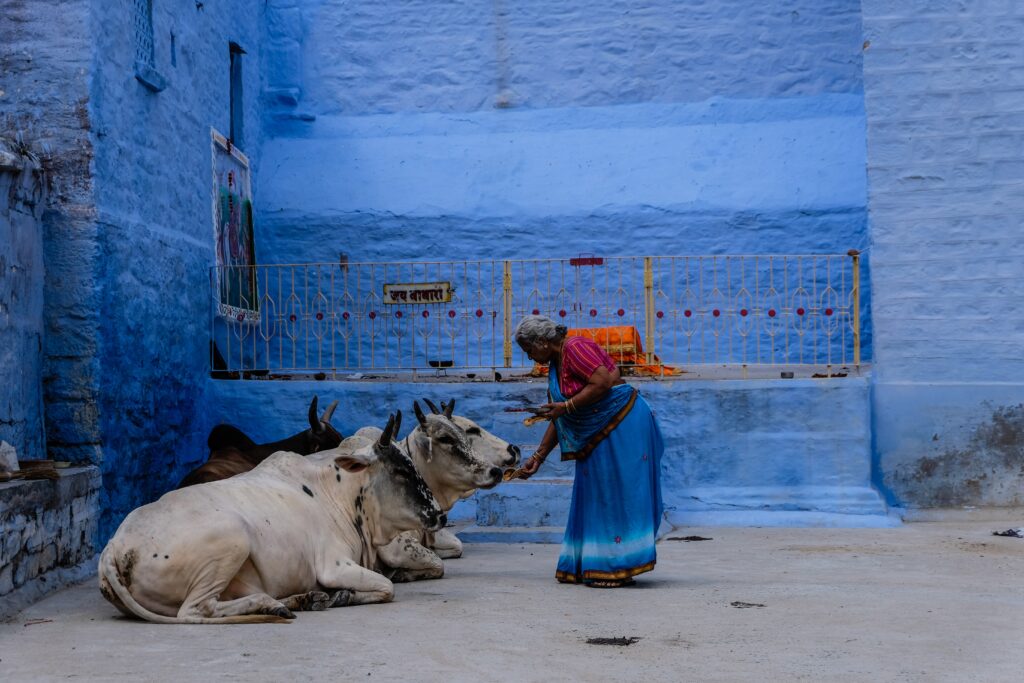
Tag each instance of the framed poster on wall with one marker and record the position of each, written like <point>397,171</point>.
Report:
<point>235,271</point>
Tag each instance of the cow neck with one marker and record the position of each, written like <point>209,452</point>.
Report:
<point>445,499</point>
<point>347,490</point>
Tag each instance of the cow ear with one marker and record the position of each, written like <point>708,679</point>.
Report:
<point>351,463</point>
<point>433,408</point>
<point>449,408</point>
<point>420,417</point>
<point>314,423</point>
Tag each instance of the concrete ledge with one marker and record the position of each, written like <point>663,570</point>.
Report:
<point>47,535</point>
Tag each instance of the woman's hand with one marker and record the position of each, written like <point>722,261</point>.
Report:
<point>553,410</point>
<point>532,464</point>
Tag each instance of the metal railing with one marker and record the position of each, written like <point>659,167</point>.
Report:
<point>674,311</point>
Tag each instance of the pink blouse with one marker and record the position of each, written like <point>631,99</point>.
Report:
<point>581,357</point>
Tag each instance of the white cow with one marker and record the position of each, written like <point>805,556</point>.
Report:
<point>254,547</point>
<point>442,446</point>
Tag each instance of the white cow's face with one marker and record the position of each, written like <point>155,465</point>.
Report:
<point>449,453</point>
<point>498,452</point>
<point>403,499</point>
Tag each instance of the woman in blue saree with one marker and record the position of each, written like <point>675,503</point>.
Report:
<point>609,430</point>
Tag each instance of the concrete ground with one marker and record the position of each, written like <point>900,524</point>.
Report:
<point>930,601</point>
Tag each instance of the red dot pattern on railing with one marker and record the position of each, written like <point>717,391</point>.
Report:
<point>771,312</point>
<point>319,315</point>
<point>398,314</point>
<point>621,312</point>
<point>536,311</point>
<point>479,313</point>
<point>687,312</point>
<point>743,312</point>
<point>660,314</point>
<point>345,315</point>
<point>799,311</point>
<point>373,314</point>
<point>593,312</point>
<point>561,313</point>
<point>451,314</point>
<point>716,313</point>
<point>426,314</point>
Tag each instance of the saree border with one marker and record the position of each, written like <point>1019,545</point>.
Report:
<point>602,434</point>
<point>595,575</point>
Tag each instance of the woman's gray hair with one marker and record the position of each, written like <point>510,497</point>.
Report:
<point>534,329</point>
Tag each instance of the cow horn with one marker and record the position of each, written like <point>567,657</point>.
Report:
<point>314,423</point>
<point>420,417</point>
<point>329,412</point>
<point>433,408</point>
<point>449,408</point>
<point>389,431</point>
<point>398,425</point>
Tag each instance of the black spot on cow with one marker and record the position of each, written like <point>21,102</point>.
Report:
<point>307,491</point>
<point>167,557</point>
<point>337,563</point>
<point>154,554</point>
<point>338,476</point>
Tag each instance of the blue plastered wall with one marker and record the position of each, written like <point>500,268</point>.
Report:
<point>154,233</point>
<point>482,130</point>
<point>944,94</point>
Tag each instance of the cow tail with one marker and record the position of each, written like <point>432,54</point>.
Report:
<point>110,578</point>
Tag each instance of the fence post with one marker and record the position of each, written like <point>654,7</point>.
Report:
<point>649,309</point>
<point>855,295</point>
<point>507,291</point>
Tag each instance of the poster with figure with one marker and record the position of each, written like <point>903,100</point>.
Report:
<point>233,233</point>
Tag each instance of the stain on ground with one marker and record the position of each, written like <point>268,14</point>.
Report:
<point>622,641</point>
<point>688,539</point>
<point>745,605</point>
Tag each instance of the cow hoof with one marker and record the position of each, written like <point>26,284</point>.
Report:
<point>318,601</point>
<point>342,598</point>
<point>282,611</point>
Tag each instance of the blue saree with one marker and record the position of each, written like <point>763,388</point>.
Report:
<point>616,502</point>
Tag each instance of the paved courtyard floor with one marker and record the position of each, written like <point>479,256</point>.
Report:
<point>935,601</point>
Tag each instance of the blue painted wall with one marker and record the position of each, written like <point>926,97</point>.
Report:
<point>945,104</point>
<point>22,200</point>
<point>155,236</point>
<point>678,127</point>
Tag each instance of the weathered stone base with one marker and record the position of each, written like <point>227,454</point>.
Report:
<point>47,535</point>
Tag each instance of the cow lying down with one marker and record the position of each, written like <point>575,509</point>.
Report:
<point>455,457</point>
<point>254,547</point>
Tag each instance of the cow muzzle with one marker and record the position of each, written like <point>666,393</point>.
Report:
<point>514,455</point>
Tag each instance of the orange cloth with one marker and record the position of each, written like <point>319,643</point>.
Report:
<point>623,344</point>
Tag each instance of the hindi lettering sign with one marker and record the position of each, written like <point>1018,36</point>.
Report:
<point>418,293</point>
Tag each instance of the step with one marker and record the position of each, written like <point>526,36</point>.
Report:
<point>532,503</point>
<point>511,534</point>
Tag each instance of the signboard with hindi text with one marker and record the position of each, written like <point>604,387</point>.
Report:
<point>418,293</point>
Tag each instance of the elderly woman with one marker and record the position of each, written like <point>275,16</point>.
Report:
<point>609,430</point>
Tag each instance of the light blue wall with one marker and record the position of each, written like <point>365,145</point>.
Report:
<point>735,450</point>
<point>155,235</point>
<point>944,92</point>
<point>464,130</point>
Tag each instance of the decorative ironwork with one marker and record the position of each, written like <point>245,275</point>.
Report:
<point>143,21</point>
<point>670,310</point>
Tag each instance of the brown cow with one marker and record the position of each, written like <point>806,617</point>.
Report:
<point>232,452</point>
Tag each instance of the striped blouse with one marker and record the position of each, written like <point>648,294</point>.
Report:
<point>581,357</point>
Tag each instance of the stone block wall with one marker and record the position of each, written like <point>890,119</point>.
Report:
<point>22,198</point>
<point>47,535</point>
<point>944,94</point>
<point>45,61</point>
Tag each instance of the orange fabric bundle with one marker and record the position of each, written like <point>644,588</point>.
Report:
<point>623,344</point>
